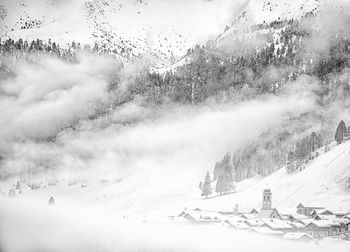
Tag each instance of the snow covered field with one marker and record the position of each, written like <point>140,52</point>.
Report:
<point>138,215</point>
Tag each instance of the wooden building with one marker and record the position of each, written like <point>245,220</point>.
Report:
<point>306,210</point>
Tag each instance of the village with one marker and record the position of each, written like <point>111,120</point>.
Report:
<point>305,223</point>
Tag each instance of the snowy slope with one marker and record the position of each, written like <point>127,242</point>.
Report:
<point>322,183</point>
<point>132,29</point>
<point>254,12</point>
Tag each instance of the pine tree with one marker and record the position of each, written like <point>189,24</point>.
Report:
<point>206,190</point>
<point>314,142</point>
<point>339,133</point>
<point>291,166</point>
<point>18,185</point>
<point>219,188</point>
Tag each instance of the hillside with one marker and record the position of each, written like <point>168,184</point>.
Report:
<point>322,183</point>
<point>130,29</point>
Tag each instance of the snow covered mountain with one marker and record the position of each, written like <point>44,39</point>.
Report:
<point>263,12</point>
<point>149,30</point>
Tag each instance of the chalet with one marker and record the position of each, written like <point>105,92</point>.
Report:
<point>343,222</point>
<point>323,228</point>
<point>316,212</point>
<point>297,225</point>
<point>239,226</point>
<point>201,217</point>
<point>296,217</point>
<point>269,213</point>
<point>341,214</point>
<point>278,225</point>
<point>233,219</point>
<point>253,222</point>
<point>265,230</point>
<point>301,209</point>
<point>305,222</point>
<point>254,211</point>
<point>297,236</point>
<point>249,216</point>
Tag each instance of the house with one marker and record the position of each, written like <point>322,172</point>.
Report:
<point>322,228</point>
<point>233,219</point>
<point>304,221</point>
<point>254,211</point>
<point>278,225</point>
<point>297,217</point>
<point>269,213</point>
<point>316,230</point>
<point>201,217</point>
<point>301,209</point>
<point>253,222</point>
<point>239,226</point>
<point>265,230</point>
<point>297,225</point>
<point>249,216</point>
<point>297,236</point>
<point>316,212</point>
<point>341,214</point>
<point>343,222</point>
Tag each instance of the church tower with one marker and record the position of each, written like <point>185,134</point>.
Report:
<point>267,199</point>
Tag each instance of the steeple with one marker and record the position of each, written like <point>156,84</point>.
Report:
<point>267,199</point>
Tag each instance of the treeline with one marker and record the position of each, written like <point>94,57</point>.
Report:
<point>255,69</point>
<point>237,66</point>
<point>304,151</point>
<point>266,155</point>
<point>223,176</point>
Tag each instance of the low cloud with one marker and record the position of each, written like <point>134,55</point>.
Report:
<point>47,96</point>
<point>62,228</point>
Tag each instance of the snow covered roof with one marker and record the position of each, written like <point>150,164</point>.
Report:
<point>234,218</point>
<point>321,211</point>
<point>296,236</point>
<point>305,221</point>
<point>310,207</point>
<point>268,213</point>
<point>201,216</point>
<point>249,216</point>
<point>299,216</point>
<point>277,224</point>
<point>324,223</point>
<point>254,211</point>
<point>265,230</point>
<point>239,225</point>
<point>334,218</point>
<point>254,222</point>
<point>297,225</point>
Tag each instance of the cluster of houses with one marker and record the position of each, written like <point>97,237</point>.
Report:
<point>306,223</point>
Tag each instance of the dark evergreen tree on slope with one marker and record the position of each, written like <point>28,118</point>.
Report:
<point>224,171</point>
<point>206,189</point>
<point>339,133</point>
